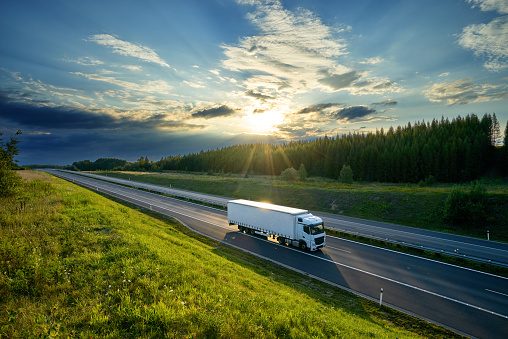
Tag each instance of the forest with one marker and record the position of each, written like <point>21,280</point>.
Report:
<point>457,150</point>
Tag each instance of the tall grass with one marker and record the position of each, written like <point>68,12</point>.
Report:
<point>74,263</point>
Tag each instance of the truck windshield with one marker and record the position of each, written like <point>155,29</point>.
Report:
<point>317,229</point>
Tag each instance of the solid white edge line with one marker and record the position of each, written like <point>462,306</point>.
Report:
<point>339,264</point>
<point>506,295</point>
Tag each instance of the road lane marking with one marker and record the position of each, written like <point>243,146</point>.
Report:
<point>338,249</point>
<point>506,295</point>
<point>324,259</point>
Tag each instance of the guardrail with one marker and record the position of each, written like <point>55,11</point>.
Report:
<point>218,201</point>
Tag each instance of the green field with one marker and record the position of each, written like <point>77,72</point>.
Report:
<point>75,263</point>
<point>406,204</point>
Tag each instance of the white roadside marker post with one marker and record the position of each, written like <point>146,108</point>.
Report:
<point>381,297</point>
<point>488,235</point>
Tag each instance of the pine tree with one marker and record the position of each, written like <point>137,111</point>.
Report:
<point>346,174</point>
<point>505,149</point>
<point>9,180</point>
<point>302,172</point>
<point>496,131</point>
<point>505,143</point>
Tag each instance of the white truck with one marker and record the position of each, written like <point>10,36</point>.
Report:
<point>291,226</point>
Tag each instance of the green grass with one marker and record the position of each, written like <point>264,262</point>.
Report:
<point>74,263</point>
<point>406,204</point>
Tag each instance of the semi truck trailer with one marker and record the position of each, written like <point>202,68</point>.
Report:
<point>289,226</point>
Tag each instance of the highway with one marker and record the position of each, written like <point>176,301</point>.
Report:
<point>471,248</point>
<point>470,302</point>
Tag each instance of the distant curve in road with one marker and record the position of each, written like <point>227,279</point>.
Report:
<point>467,301</point>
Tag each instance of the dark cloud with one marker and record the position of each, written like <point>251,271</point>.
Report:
<point>178,125</point>
<point>317,108</point>
<point>385,103</point>
<point>52,117</point>
<point>208,113</point>
<point>339,81</point>
<point>257,95</point>
<point>28,116</point>
<point>353,112</point>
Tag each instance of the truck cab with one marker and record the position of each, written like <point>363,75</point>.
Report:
<point>312,232</point>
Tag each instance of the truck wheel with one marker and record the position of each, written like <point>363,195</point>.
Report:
<point>303,246</point>
<point>281,240</point>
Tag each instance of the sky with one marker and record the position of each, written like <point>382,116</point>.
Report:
<point>91,79</point>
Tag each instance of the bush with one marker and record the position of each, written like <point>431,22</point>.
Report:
<point>290,174</point>
<point>346,174</point>
<point>467,208</point>
<point>10,182</point>
<point>429,181</point>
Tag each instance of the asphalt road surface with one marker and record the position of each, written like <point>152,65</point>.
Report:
<point>467,301</point>
<point>471,248</point>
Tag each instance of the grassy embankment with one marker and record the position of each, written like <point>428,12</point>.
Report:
<point>76,263</point>
<point>406,204</point>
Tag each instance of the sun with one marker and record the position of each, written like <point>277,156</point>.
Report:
<point>264,123</point>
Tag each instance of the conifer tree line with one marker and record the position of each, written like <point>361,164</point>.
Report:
<point>462,149</point>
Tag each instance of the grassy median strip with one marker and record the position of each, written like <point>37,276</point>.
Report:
<point>76,263</point>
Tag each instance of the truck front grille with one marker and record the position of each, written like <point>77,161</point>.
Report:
<point>319,240</point>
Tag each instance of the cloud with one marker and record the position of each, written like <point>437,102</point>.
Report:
<point>444,74</point>
<point>340,81</point>
<point>374,85</point>
<point>68,118</point>
<point>319,108</point>
<point>214,112</point>
<point>145,86</point>
<point>86,61</point>
<point>371,61</point>
<point>489,40</point>
<point>193,84</point>
<point>464,91</point>
<point>15,87</point>
<point>52,117</point>
<point>295,52</point>
<point>500,6</point>
<point>353,112</point>
<point>258,95</point>
<point>385,103</point>
<point>130,49</point>
<point>133,68</point>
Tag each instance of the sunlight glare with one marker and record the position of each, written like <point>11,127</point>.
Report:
<point>264,123</point>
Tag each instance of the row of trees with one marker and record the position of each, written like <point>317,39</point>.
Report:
<point>462,149</point>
